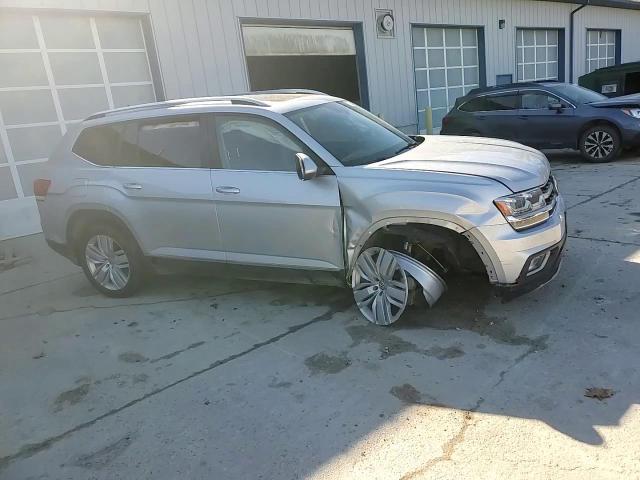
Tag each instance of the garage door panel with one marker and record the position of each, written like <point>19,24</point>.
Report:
<point>66,32</point>
<point>30,143</point>
<point>28,106</point>
<point>127,67</point>
<point>119,33</point>
<point>17,31</point>
<point>132,95</point>
<point>536,54</point>
<point>22,69</point>
<point>79,103</point>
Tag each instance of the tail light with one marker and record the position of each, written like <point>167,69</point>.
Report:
<point>41,187</point>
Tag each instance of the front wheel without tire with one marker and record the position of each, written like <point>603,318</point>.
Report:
<point>380,286</point>
<point>111,260</point>
<point>600,144</point>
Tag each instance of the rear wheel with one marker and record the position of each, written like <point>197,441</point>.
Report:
<point>111,260</point>
<point>600,143</point>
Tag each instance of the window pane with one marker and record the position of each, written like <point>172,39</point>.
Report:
<point>454,77</point>
<point>22,70</point>
<point>28,106</point>
<point>418,37</point>
<point>437,116</point>
<point>535,101</point>
<point>419,58</point>
<point>471,76</point>
<point>454,94</point>
<point>611,51</point>
<point>421,79</point>
<point>436,58</point>
<point>552,53</point>
<point>469,37</point>
<point>529,72</point>
<point>173,143</point>
<point>248,144</point>
<point>434,37</point>
<point>541,37</point>
<point>528,37</point>
<point>470,57</point>
<point>438,98</point>
<point>454,57</point>
<point>529,54</point>
<point>7,188</point>
<point>541,54</point>
<point>541,71</point>
<point>423,100</point>
<point>552,37</point>
<point>17,31</point>
<point>437,78</point>
<point>75,68</point>
<point>119,32</point>
<point>127,67</point>
<point>30,143</point>
<point>501,102</point>
<point>552,70</point>
<point>66,32</point>
<point>452,37</point>
<point>79,103</point>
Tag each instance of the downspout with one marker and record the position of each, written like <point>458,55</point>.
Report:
<point>573,12</point>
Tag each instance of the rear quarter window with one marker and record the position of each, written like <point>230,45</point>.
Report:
<point>173,142</point>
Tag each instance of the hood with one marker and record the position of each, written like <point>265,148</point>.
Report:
<point>632,100</point>
<point>516,166</point>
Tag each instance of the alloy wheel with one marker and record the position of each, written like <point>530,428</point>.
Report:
<point>380,286</point>
<point>107,262</point>
<point>599,144</point>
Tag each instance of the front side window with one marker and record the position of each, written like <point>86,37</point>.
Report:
<point>350,133</point>
<point>172,142</point>
<point>248,142</point>
<point>538,101</point>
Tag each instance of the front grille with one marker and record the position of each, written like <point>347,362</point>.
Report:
<point>550,193</point>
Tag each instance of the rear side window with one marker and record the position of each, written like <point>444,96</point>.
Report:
<point>172,142</point>
<point>491,103</point>
<point>537,101</point>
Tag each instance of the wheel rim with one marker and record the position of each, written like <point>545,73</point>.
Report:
<point>599,144</point>
<point>107,262</point>
<point>380,286</point>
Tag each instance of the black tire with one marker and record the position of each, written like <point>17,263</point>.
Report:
<point>600,144</point>
<point>127,244</point>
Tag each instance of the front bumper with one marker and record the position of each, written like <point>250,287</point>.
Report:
<point>507,252</point>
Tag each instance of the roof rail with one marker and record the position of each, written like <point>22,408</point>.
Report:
<point>234,99</point>
<point>285,91</point>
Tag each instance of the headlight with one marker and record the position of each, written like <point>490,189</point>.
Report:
<point>525,209</point>
<point>632,112</point>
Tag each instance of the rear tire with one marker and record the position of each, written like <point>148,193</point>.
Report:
<point>600,144</point>
<point>111,260</point>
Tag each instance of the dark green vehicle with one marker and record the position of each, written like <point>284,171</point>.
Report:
<point>613,81</point>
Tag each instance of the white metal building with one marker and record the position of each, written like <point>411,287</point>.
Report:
<point>61,60</point>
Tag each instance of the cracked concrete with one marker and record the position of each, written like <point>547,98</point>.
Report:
<point>208,378</point>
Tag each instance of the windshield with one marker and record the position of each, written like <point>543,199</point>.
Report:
<point>578,94</point>
<point>350,133</point>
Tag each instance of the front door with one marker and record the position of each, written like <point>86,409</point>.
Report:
<point>268,216</point>
<point>541,125</point>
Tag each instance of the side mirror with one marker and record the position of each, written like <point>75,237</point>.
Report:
<point>556,106</point>
<point>306,168</point>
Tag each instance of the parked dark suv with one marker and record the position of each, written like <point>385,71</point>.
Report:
<point>549,115</point>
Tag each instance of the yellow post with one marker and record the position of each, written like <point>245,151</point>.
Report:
<point>428,120</point>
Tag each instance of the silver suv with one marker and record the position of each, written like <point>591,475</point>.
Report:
<point>298,186</point>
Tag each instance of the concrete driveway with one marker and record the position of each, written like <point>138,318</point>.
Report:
<point>205,378</point>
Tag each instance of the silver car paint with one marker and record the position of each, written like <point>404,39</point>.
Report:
<point>318,224</point>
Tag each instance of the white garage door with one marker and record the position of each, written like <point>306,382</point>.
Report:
<point>601,49</point>
<point>55,71</point>
<point>446,67</point>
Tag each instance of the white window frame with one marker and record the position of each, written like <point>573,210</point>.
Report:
<point>465,87</point>
<point>520,49</point>
<point>599,44</point>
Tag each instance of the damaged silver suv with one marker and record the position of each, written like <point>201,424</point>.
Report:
<point>298,186</point>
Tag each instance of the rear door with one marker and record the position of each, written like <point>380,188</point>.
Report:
<point>493,115</point>
<point>268,216</point>
<point>157,178</point>
<point>542,126</point>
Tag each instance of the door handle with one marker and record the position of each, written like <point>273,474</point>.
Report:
<point>227,189</point>
<point>132,186</point>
